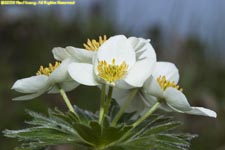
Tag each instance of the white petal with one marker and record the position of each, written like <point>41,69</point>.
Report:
<point>148,99</point>
<point>66,86</point>
<point>118,48</point>
<point>136,104</point>
<point>60,74</point>
<point>95,66</point>
<point>143,48</point>
<point>82,55</point>
<point>151,100</point>
<point>60,53</point>
<point>202,111</point>
<point>120,95</point>
<point>139,73</point>
<point>123,85</point>
<point>30,96</point>
<point>31,85</point>
<point>152,87</point>
<point>166,69</point>
<point>176,99</point>
<point>83,73</point>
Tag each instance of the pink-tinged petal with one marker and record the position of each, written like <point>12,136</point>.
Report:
<point>118,48</point>
<point>167,69</point>
<point>60,53</point>
<point>81,55</point>
<point>83,73</point>
<point>31,85</point>
<point>176,99</point>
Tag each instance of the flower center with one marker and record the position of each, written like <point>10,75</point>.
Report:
<point>47,70</point>
<point>164,84</point>
<point>94,45</point>
<point>112,72</point>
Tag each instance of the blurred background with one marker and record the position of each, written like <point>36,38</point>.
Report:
<point>189,33</point>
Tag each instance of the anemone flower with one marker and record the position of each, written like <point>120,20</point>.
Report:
<point>48,79</point>
<point>161,87</point>
<point>121,62</point>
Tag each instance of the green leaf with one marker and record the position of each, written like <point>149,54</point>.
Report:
<point>155,133</point>
<point>85,133</point>
<point>101,136</point>
<point>55,129</point>
<point>85,116</point>
<point>162,128</point>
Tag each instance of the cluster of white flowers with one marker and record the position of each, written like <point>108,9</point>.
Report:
<point>128,65</point>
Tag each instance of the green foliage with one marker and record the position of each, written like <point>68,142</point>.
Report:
<point>154,134</point>
<point>86,133</point>
<point>53,130</point>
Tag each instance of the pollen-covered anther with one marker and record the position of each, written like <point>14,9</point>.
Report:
<point>112,72</point>
<point>47,70</point>
<point>94,45</point>
<point>164,84</point>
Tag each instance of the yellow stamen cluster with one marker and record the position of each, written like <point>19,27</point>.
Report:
<point>112,72</point>
<point>94,45</point>
<point>164,84</point>
<point>47,70</point>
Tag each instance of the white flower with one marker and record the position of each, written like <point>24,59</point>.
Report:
<point>45,80</point>
<point>121,62</point>
<point>162,86</point>
<point>50,77</point>
<point>84,55</point>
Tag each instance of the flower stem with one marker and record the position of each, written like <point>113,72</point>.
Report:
<point>146,115</point>
<point>102,102</point>
<point>123,108</point>
<point>108,101</point>
<point>66,99</point>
